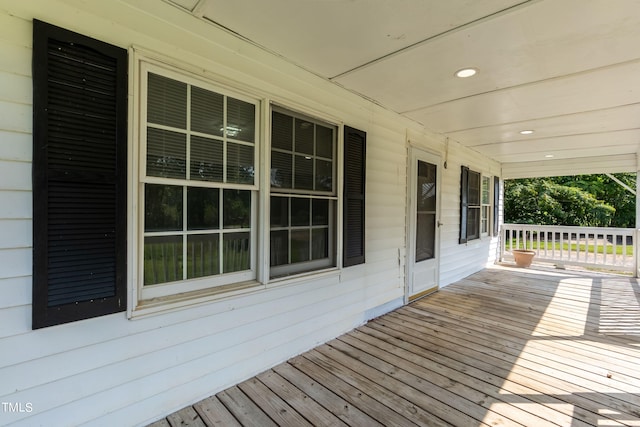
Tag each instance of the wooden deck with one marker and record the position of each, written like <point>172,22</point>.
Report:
<point>502,347</point>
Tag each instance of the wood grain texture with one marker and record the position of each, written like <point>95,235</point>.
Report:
<point>503,347</point>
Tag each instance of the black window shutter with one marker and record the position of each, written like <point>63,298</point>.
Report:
<point>496,204</point>
<point>79,176</point>
<point>355,144</point>
<point>464,203</point>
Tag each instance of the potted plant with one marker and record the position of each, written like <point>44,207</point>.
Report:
<point>523,257</point>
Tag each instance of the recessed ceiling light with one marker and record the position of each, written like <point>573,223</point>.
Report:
<point>549,156</point>
<point>526,132</point>
<point>466,72</point>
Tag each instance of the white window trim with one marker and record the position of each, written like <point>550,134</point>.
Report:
<point>489,231</point>
<point>287,270</point>
<point>166,296</point>
<point>137,307</point>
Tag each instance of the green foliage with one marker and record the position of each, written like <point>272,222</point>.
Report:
<point>549,201</point>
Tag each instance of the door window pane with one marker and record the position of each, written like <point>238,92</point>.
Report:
<point>425,236</point>
<point>426,187</point>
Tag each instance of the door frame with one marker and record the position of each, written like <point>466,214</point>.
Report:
<point>415,154</point>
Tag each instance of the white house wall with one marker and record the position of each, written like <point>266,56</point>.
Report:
<point>114,371</point>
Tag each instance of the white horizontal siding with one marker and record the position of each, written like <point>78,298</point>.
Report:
<point>15,146</point>
<point>113,371</point>
<point>15,291</point>
<point>458,261</point>
<point>15,205</point>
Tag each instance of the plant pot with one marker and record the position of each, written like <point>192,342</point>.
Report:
<point>523,257</point>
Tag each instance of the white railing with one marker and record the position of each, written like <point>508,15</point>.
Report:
<point>599,247</point>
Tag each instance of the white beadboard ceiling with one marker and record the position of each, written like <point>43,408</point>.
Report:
<point>567,69</point>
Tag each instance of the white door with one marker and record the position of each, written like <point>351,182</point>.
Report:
<point>424,220</point>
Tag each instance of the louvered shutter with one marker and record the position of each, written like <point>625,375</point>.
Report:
<point>496,204</point>
<point>355,142</point>
<point>79,176</point>
<point>464,203</point>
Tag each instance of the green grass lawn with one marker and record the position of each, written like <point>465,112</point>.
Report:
<point>574,247</point>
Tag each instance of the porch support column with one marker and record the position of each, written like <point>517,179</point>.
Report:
<point>636,244</point>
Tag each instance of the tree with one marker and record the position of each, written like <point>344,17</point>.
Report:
<point>604,188</point>
<point>544,201</point>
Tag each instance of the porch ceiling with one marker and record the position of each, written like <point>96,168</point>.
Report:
<point>569,70</point>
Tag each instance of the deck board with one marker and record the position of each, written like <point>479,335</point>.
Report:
<point>503,347</point>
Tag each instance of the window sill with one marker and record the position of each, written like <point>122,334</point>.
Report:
<point>176,302</point>
<point>304,277</point>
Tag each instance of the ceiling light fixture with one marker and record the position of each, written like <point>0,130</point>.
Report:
<point>548,156</point>
<point>466,72</point>
<point>526,132</point>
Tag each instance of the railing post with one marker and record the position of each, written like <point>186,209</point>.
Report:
<point>636,262</point>
<point>503,242</point>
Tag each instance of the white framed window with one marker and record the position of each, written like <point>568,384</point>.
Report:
<point>206,221</point>
<point>303,193</point>
<point>485,206</point>
<point>198,184</point>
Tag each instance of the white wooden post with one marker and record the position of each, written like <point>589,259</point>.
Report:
<point>636,261</point>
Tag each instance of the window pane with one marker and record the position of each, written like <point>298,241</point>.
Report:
<point>304,137</point>
<point>320,243</point>
<point>324,175</point>
<point>485,190</point>
<point>320,211</point>
<point>299,246</point>
<point>206,159</point>
<point>474,188</point>
<point>236,252</point>
<point>473,223</point>
<point>203,255</point>
<point>236,208</point>
<point>281,131</point>
<point>300,212</point>
<point>324,142</point>
<point>206,111</point>
<point>426,196</point>
<point>240,163</point>
<point>279,211</point>
<point>202,208</point>
<point>303,179</point>
<point>485,219</point>
<point>279,251</point>
<point>167,102</point>
<point>162,207</point>
<point>166,153</point>
<point>281,169</point>
<point>162,259</point>
<point>425,236</point>
<point>241,122</point>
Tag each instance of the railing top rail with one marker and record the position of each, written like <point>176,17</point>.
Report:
<point>559,228</point>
